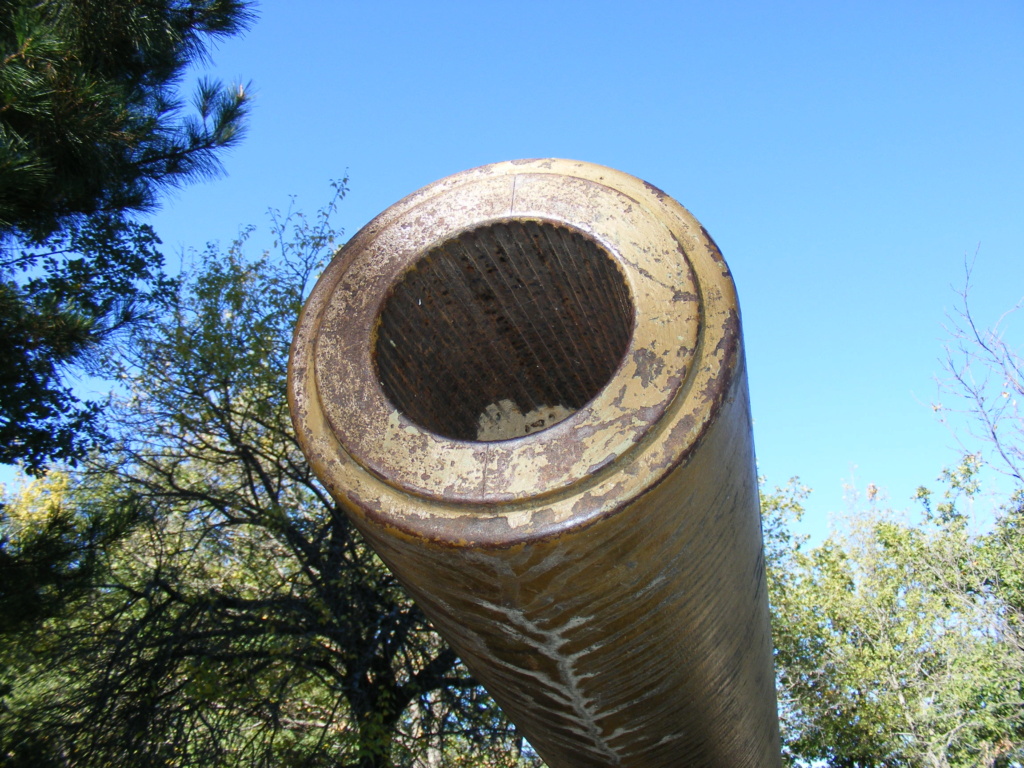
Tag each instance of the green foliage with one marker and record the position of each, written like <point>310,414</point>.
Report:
<point>899,644</point>
<point>92,281</point>
<point>91,131</point>
<point>89,110</point>
<point>243,621</point>
<point>49,549</point>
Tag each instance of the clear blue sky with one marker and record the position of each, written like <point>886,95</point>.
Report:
<point>845,156</point>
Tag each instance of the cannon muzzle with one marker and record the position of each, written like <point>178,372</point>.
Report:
<point>525,384</point>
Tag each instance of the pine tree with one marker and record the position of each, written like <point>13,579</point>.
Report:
<point>91,131</point>
<point>89,105</point>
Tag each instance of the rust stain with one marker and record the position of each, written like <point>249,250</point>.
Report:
<point>548,558</point>
<point>714,250</point>
<point>657,192</point>
<point>648,365</point>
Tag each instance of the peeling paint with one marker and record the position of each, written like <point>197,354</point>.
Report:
<point>594,573</point>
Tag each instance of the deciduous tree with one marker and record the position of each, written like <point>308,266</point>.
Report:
<point>897,644</point>
<point>243,621</point>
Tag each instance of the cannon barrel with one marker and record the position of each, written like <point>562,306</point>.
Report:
<point>525,384</point>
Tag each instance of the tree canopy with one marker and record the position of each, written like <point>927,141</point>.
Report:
<point>92,128</point>
<point>194,585</point>
<point>899,643</point>
<point>239,619</point>
<point>89,111</point>
<point>192,596</point>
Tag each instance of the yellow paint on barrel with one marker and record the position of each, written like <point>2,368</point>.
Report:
<point>525,384</point>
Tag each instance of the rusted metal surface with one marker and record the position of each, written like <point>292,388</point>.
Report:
<point>525,384</point>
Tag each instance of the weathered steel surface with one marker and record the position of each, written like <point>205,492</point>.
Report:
<point>525,383</point>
